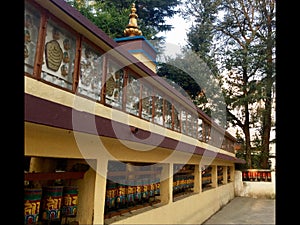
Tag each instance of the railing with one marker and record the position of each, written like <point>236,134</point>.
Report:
<point>60,56</point>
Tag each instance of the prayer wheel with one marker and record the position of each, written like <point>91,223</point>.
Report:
<point>51,202</point>
<point>32,202</point>
<point>70,201</point>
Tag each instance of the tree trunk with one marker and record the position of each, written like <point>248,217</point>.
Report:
<point>248,150</point>
<point>267,123</point>
<point>267,113</point>
<point>246,131</point>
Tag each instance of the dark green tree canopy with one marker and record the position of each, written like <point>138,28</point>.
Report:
<point>236,38</point>
<point>152,13</point>
<point>112,16</point>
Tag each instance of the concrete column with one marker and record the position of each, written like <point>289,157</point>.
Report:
<point>225,176</point>
<point>197,179</point>
<point>214,176</point>
<point>99,196</point>
<point>166,183</point>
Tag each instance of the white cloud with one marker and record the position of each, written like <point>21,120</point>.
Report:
<point>177,35</point>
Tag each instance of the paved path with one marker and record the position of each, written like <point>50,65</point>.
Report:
<point>244,210</point>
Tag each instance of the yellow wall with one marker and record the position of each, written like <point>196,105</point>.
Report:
<point>43,141</point>
<point>194,209</point>
<point>46,144</point>
<point>142,58</point>
<point>40,89</point>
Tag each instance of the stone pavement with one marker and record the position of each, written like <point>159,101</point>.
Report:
<point>245,210</point>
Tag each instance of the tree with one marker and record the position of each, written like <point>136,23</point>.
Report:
<point>189,74</point>
<point>267,37</point>
<point>175,72</point>
<point>112,15</point>
<point>110,19</point>
<point>236,38</point>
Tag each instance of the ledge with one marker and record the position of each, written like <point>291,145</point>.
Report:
<point>53,176</point>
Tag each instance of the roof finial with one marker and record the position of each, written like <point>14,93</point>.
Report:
<point>132,27</point>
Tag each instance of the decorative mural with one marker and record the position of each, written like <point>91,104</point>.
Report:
<point>147,102</point>
<point>90,74</point>
<point>59,56</point>
<point>128,93</point>
<point>31,27</point>
<point>114,84</point>
<point>133,94</point>
<point>53,52</point>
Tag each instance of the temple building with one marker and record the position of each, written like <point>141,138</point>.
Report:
<point>108,141</point>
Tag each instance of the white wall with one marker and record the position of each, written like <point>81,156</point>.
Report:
<point>254,189</point>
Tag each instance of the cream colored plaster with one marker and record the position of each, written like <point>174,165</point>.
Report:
<point>100,194</point>
<point>46,141</point>
<point>204,204</point>
<point>255,189</point>
<point>63,143</point>
<point>86,195</point>
<point>49,142</point>
<point>42,90</point>
<point>225,177</point>
<point>144,59</point>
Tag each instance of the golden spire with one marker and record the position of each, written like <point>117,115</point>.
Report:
<point>132,28</point>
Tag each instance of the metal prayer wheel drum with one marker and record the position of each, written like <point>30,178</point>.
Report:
<point>111,195</point>
<point>157,187</point>
<point>69,201</point>
<point>145,189</point>
<point>32,202</point>
<point>138,192</point>
<point>51,202</point>
<point>121,194</point>
<point>152,188</point>
<point>131,190</point>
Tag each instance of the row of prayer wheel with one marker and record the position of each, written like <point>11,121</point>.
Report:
<point>182,183</point>
<point>123,194</point>
<point>256,175</point>
<point>49,203</point>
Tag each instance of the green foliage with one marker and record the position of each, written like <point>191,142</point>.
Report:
<point>238,37</point>
<point>189,72</point>
<point>181,78</point>
<point>112,16</point>
<point>107,17</point>
<point>152,13</point>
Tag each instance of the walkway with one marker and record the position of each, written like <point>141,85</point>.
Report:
<point>244,210</point>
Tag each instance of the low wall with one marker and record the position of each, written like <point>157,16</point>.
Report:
<point>194,209</point>
<point>254,189</point>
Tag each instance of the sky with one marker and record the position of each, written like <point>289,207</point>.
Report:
<point>176,38</point>
<point>177,35</point>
